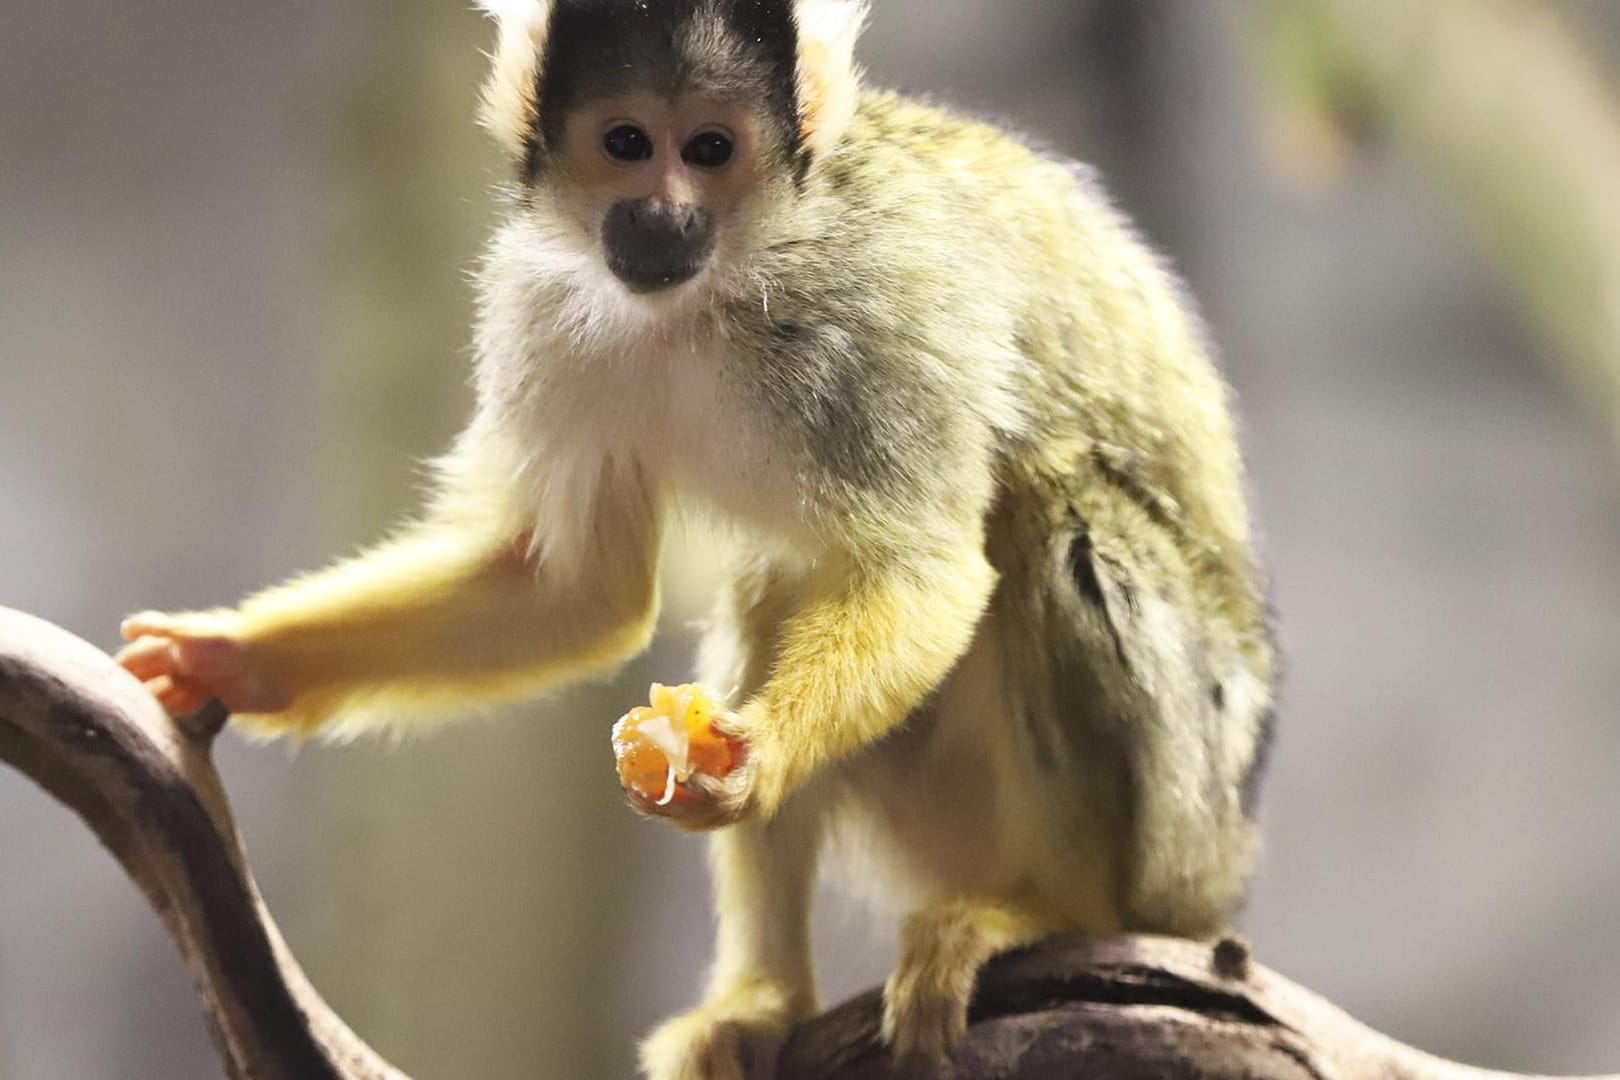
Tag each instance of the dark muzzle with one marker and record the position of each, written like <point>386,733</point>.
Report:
<point>652,244</point>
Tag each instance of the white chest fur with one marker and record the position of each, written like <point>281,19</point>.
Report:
<point>581,375</point>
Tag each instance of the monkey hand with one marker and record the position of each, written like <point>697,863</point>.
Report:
<point>185,660</point>
<point>686,758</point>
<point>703,803</point>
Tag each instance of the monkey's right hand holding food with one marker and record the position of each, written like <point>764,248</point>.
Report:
<point>671,753</point>
<point>185,660</point>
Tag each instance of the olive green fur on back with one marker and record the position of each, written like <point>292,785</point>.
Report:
<point>1114,394</point>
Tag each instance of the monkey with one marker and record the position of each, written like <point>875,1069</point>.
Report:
<point>992,605</point>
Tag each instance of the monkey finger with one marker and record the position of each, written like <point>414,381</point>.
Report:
<point>212,658</point>
<point>177,696</point>
<point>732,724</point>
<point>681,798</point>
<point>703,817</point>
<point>703,804</point>
<point>146,624</point>
<point>688,811</point>
<point>147,657</point>
<point>708,788</point>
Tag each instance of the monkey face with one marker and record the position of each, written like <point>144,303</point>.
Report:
<point>660,180</point>
<point>656,138</point>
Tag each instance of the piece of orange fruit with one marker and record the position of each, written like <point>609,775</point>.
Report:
<point>661,745</point>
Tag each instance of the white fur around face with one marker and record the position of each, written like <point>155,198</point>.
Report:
<point>829,82</point>
<point>509,107</point>
<point>514,10</point>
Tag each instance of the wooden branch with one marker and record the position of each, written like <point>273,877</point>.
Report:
<point>1130,1008</point>
<point>87,732</point>
<point>1145,1008</point>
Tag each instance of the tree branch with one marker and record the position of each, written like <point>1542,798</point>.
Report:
<point>83,729</point>
<point>1148,1008</point>
<point>1138,1008</point>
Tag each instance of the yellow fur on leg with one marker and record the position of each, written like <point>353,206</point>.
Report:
<point>941,950</point>
<point>762,982</point>
<point>732,1037</point>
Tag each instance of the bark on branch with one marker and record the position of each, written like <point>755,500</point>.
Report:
<point>83,729</point>
<point>1149,1008</point>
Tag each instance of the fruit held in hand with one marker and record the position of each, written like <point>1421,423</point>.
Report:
<point>660,746</point>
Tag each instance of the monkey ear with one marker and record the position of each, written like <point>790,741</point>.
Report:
<point>511,110</point>
<point>829,81</point>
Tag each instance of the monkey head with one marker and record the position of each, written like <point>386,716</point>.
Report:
<point>659,139</point>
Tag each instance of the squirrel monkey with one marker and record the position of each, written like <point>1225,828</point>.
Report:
<point>992,607</point>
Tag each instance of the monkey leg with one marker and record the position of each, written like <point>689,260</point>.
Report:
<point>942,948</point>
<point>762,982</point>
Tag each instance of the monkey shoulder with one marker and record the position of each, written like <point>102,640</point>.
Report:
<point>918,158</point>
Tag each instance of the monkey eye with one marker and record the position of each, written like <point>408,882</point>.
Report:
<point>709,149</point>
<point>626,142</point>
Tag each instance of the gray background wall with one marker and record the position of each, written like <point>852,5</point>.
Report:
<point>232,246</point>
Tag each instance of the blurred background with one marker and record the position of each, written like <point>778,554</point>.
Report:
<point>234,241</point>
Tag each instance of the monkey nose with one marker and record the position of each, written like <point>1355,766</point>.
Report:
<point>659,216</point>
<point>653,243</point>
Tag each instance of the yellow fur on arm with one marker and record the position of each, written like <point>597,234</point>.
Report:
<point>853,663</point>
<point>448,617</point>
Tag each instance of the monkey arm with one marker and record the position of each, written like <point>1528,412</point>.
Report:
<point>447,615</point>
<point>857,658</point>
